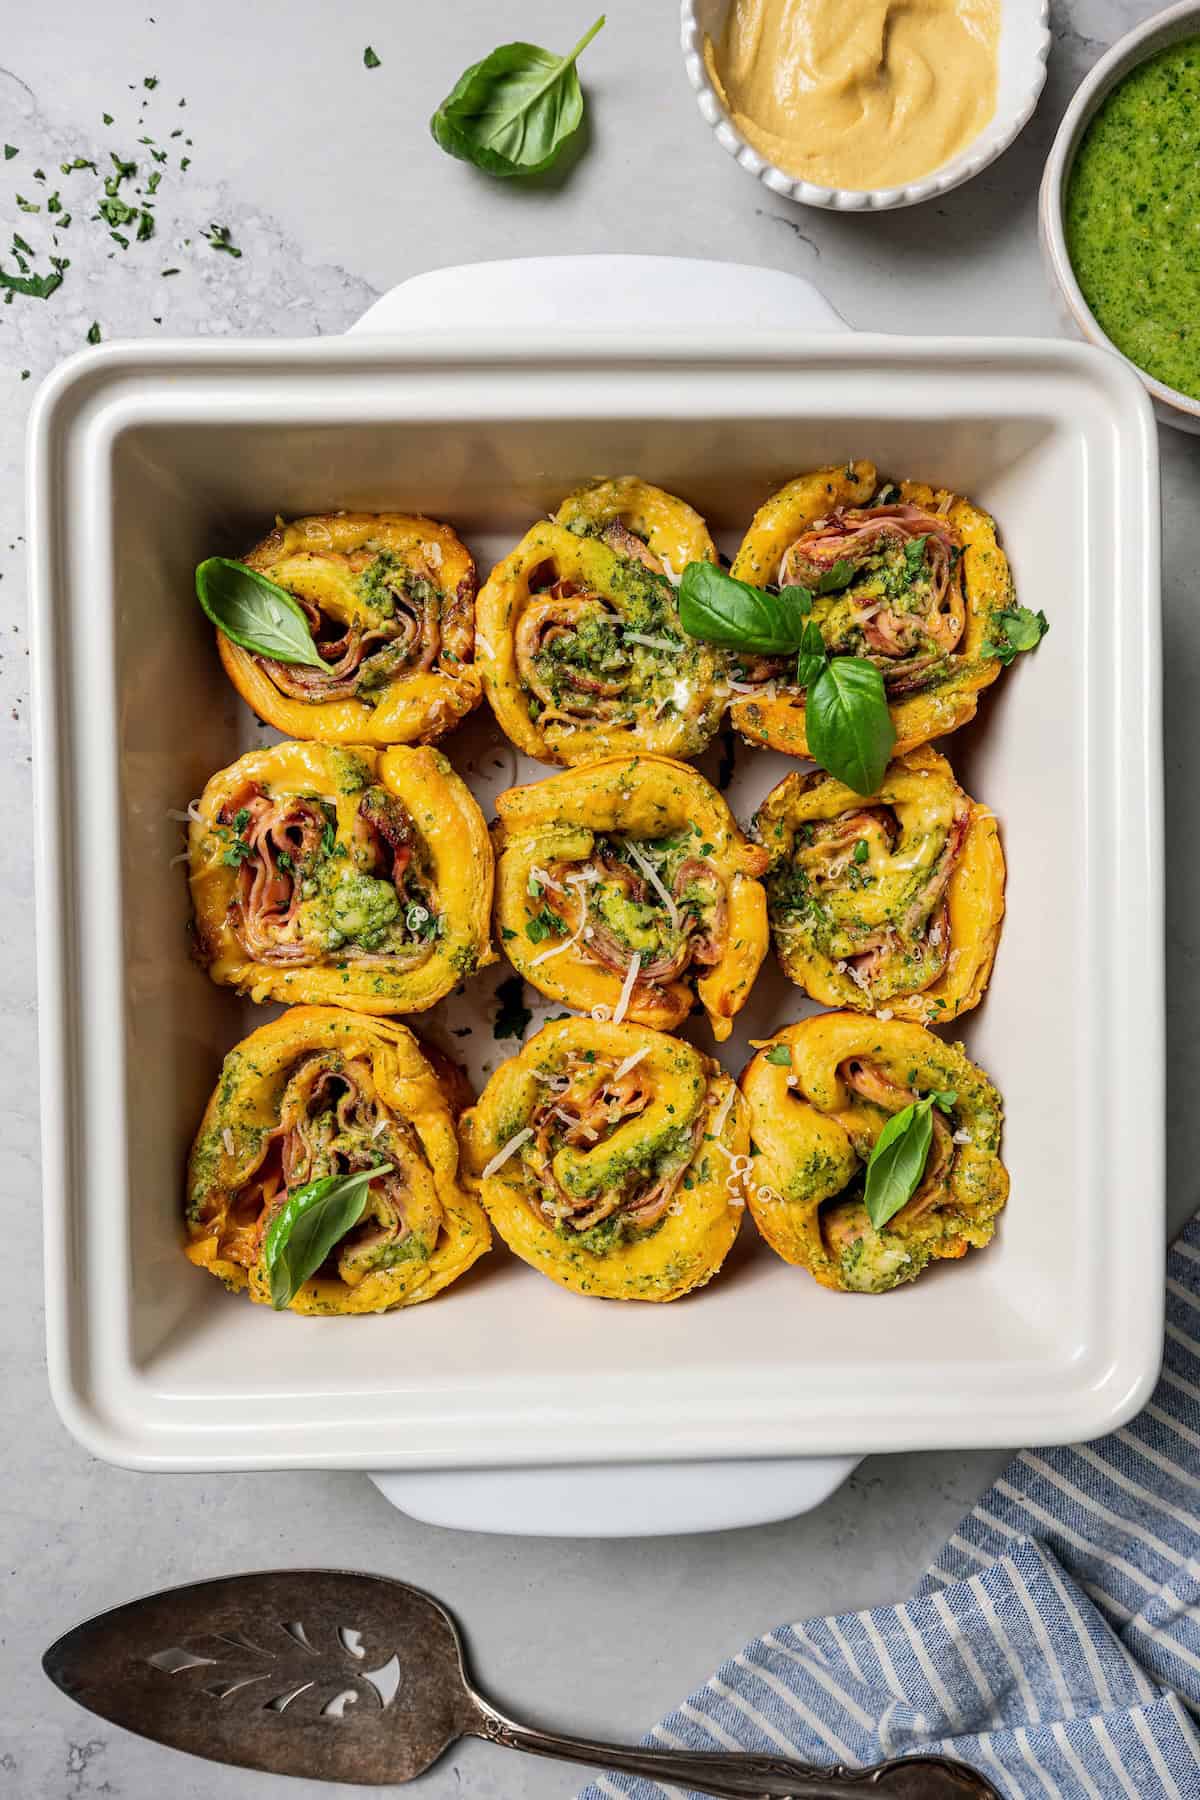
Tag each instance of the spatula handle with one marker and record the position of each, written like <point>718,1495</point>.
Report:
<point>739,1776</point>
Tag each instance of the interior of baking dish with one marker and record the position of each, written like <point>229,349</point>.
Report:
<point>148,460</point>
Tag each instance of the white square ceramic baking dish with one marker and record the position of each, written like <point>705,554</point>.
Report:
<point>146,458</point>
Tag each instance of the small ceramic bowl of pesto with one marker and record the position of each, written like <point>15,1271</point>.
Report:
<point>1119,214</point>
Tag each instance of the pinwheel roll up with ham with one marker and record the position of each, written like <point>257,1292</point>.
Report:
<point>315,1097</point>
<point>892,902</point>
<point>353,877</point>
<point>820,1094</point>
<point>903,575</point>
<point>390,602</point>
<point>626,885</point>
<point>612,1159</point>
<point>580,646</point>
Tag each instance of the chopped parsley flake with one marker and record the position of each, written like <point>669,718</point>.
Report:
<point>218,236</point>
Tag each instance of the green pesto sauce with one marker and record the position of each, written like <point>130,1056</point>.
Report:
<point>1133,216</point>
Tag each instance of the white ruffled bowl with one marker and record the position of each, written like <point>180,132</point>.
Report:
<point>1024,47</point>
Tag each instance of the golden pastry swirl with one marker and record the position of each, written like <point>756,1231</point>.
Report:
<point>354,878</point>
<point>390,601</point>
<point>611,1158</point>
<point>815,1120</point>
<point>318,1093</point>
<point>917,575</point>
<point>627,885</point>
<point>580,646</point>
<point>892,902</point>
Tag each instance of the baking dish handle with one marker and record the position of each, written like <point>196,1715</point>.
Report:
<point>602,293</point>
<point>616,1500</point>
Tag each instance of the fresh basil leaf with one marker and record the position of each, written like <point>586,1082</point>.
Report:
<point>512,113</point>
<point>847,723</point>
<point>799,597</point>
<point>838,577</point>
<point>812,658</point>
<point>897,1163</point>
<point>718,609</point>
<point>914,554</point>
<point>943,1098</point>
<point>255,612</point>
<point>310,1222</point>
<point>780,1055</point>
<point>1014,629</point>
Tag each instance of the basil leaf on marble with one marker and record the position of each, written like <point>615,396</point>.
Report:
<point>512,113</point>
<point>310,1222</point>
<point>847,723</point>
<point>254,612</point>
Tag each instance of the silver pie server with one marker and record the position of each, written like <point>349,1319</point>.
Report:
<point>358,1678</point>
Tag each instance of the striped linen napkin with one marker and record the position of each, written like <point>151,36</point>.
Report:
<point>1054,1645</point>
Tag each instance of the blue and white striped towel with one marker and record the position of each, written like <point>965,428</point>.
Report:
<point>1054,1645</point>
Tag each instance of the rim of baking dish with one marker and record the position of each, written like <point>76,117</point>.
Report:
<point>1031,21</point>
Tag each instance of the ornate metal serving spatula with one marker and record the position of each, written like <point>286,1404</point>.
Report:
<point>344,1677</point>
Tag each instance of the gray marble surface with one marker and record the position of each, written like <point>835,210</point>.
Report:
<point>325,175</point>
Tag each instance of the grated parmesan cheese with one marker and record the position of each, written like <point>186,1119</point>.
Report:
<point>653,643</point>
<point>227,1140</point>
<point>673,576</point>
<point>652,876</point>
<point>722,1113</point>
<point>510,1149</point>
<point>631,975</point>
<point>602,1014</point>
<point>631,1062</point>
<point>557,949</point>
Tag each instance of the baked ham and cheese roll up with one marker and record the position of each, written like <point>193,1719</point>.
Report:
<point>626,885</point>
<point>324,1176</point>
<point>612,1159</point>
<point>878,1150</point>
<point>358,878</point>
<point>580,646</point>
<point>889,903</point>
<point>904,575</point>
<point>389,599</point>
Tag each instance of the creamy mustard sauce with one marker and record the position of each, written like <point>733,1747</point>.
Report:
<point>868,96</point>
